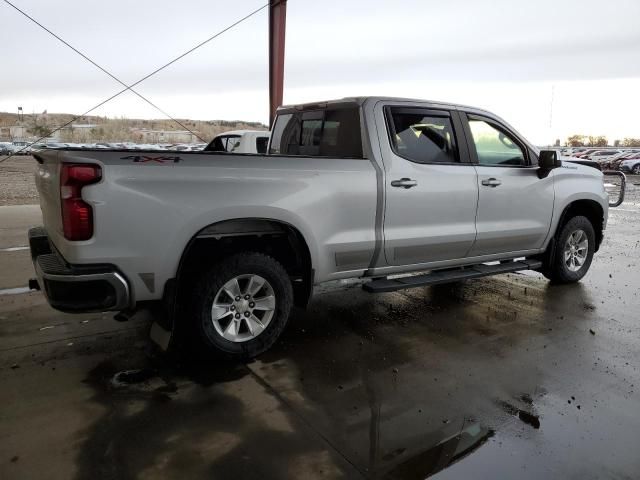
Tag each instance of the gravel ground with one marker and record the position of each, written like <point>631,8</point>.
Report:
<point>17,185</point>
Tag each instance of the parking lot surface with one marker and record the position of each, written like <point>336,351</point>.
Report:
<point>503,377</point>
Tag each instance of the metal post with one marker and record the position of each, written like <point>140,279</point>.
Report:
<point>277,24</point>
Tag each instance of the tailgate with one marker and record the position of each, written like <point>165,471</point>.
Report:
<point>48,185</point>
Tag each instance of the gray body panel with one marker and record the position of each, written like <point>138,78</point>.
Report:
<point>353,222</point>
<point>514,215</point>
<point>146,213</point>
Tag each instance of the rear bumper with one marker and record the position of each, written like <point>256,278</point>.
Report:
<point>76,288</point>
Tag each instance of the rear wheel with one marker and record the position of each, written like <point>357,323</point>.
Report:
<point>241,305</point>
<point>636,169</point>
<point>574,250</point>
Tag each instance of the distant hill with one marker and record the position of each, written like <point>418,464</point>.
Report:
<point>117,129</point>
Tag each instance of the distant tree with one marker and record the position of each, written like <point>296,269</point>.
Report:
<point>598,141</point>
<point>631,142</point>
<point>576,141</point>
<point>38,130</point>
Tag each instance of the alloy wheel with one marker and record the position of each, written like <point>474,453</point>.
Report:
<point>243,308</point>
<point>576,249</point>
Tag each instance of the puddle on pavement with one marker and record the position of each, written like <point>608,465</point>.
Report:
<point>441,455</point>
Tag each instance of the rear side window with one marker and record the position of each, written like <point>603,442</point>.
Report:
<point>322,133</point>
<point>423,137</point>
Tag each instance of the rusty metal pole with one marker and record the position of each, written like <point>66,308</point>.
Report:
<point>277,24</point>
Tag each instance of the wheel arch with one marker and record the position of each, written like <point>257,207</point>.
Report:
<point>590,209</point>
<point>276,238</point>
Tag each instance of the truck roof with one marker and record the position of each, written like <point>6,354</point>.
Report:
<point>361,100</point>
<point>243,132</point>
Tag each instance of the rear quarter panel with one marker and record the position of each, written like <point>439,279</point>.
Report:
<point>146,212</point>
<point>47,179</point>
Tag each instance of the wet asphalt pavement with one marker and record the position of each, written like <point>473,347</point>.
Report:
<point>503,377</point>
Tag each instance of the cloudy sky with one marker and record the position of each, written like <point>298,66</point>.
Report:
<point>508,56</point>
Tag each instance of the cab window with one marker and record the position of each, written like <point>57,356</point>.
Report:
<point>495,147</point>
<point>422,136</point>
<point>331,132</point>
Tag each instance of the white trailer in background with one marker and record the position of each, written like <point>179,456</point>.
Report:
<point>240,141</point>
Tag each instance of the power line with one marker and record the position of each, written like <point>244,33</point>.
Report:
<point>101,68</point>
<point>128,87</point>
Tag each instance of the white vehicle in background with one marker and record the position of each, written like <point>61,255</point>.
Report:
<point>20,147</point>
<point>603,155</point>
<point>240,141</point>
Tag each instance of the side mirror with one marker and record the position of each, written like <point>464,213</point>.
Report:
<point>548,160</point>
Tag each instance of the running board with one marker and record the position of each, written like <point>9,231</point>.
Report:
<point>447,276</point>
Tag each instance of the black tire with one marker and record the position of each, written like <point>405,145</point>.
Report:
<point>205,334</point>
<point>636,169</point>
<point>556,269</point>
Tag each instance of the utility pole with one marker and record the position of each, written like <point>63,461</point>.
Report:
<point>277,26</point>
<point>553,88</point>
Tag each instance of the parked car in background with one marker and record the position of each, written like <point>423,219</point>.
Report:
<point>613,162</point>
<point>631,165</point>
<point>603,154</point>
<point>20,147</point>
<point>583,153</point>
<point>187,147</point>
<point>240,141</point>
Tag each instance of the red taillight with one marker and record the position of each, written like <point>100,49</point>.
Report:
<point>77,215</point>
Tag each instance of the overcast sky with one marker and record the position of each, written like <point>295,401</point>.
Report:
<point>503,55</point>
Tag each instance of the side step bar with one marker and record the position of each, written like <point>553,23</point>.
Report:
<point>447,276</point>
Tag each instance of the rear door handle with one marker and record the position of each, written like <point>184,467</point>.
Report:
<point>404,183</point>
<point>491,182</point>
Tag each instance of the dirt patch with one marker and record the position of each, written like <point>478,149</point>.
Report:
<point>17,182</point>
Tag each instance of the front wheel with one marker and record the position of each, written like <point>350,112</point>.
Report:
<point>636,169</point>
<point>573,253</point>
<point>241,305</point>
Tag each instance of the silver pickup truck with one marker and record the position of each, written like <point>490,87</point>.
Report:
<point>399,192</point>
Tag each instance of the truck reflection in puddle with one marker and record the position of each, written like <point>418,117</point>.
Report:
<point>440,456</point>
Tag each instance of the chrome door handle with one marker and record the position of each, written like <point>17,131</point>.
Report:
<point>404,183</point>
<point>491,182</point>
